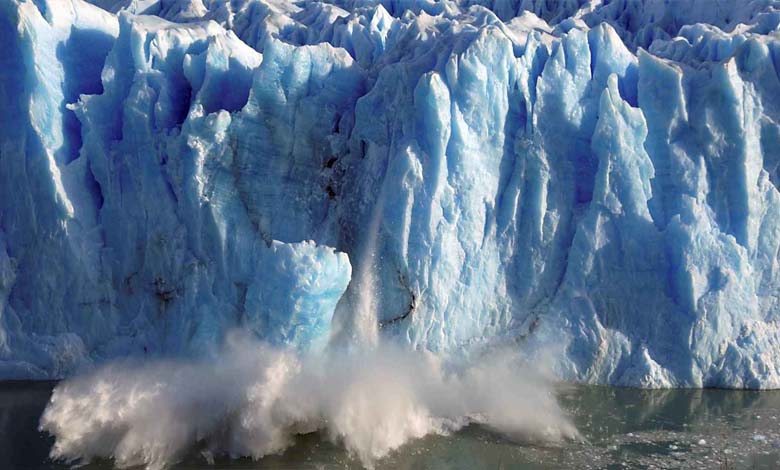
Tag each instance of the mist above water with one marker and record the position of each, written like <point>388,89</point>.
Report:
<point>252,400</point>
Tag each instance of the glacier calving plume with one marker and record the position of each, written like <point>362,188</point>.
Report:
<point>592,181</point>
<point>252,399</point>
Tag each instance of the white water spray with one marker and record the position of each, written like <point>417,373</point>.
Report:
<point>251,400</point>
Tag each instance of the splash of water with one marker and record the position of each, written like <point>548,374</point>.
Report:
<point>251,400</point>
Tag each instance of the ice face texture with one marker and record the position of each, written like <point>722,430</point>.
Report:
<point>595,183</point>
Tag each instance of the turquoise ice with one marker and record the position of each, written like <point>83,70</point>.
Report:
<point>595,183</point>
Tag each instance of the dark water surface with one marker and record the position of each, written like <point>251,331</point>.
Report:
<point>623,428</point>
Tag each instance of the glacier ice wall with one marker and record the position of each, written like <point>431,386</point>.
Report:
<point>594,182</point>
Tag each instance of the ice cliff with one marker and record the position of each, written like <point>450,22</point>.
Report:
<point>593,182</point>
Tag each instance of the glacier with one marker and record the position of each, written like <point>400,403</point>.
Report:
<point>593,183</point>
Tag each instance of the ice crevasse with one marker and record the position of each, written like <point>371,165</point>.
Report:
<point>593,182</point>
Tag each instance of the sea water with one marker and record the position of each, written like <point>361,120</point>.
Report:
<point>620,428</point>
